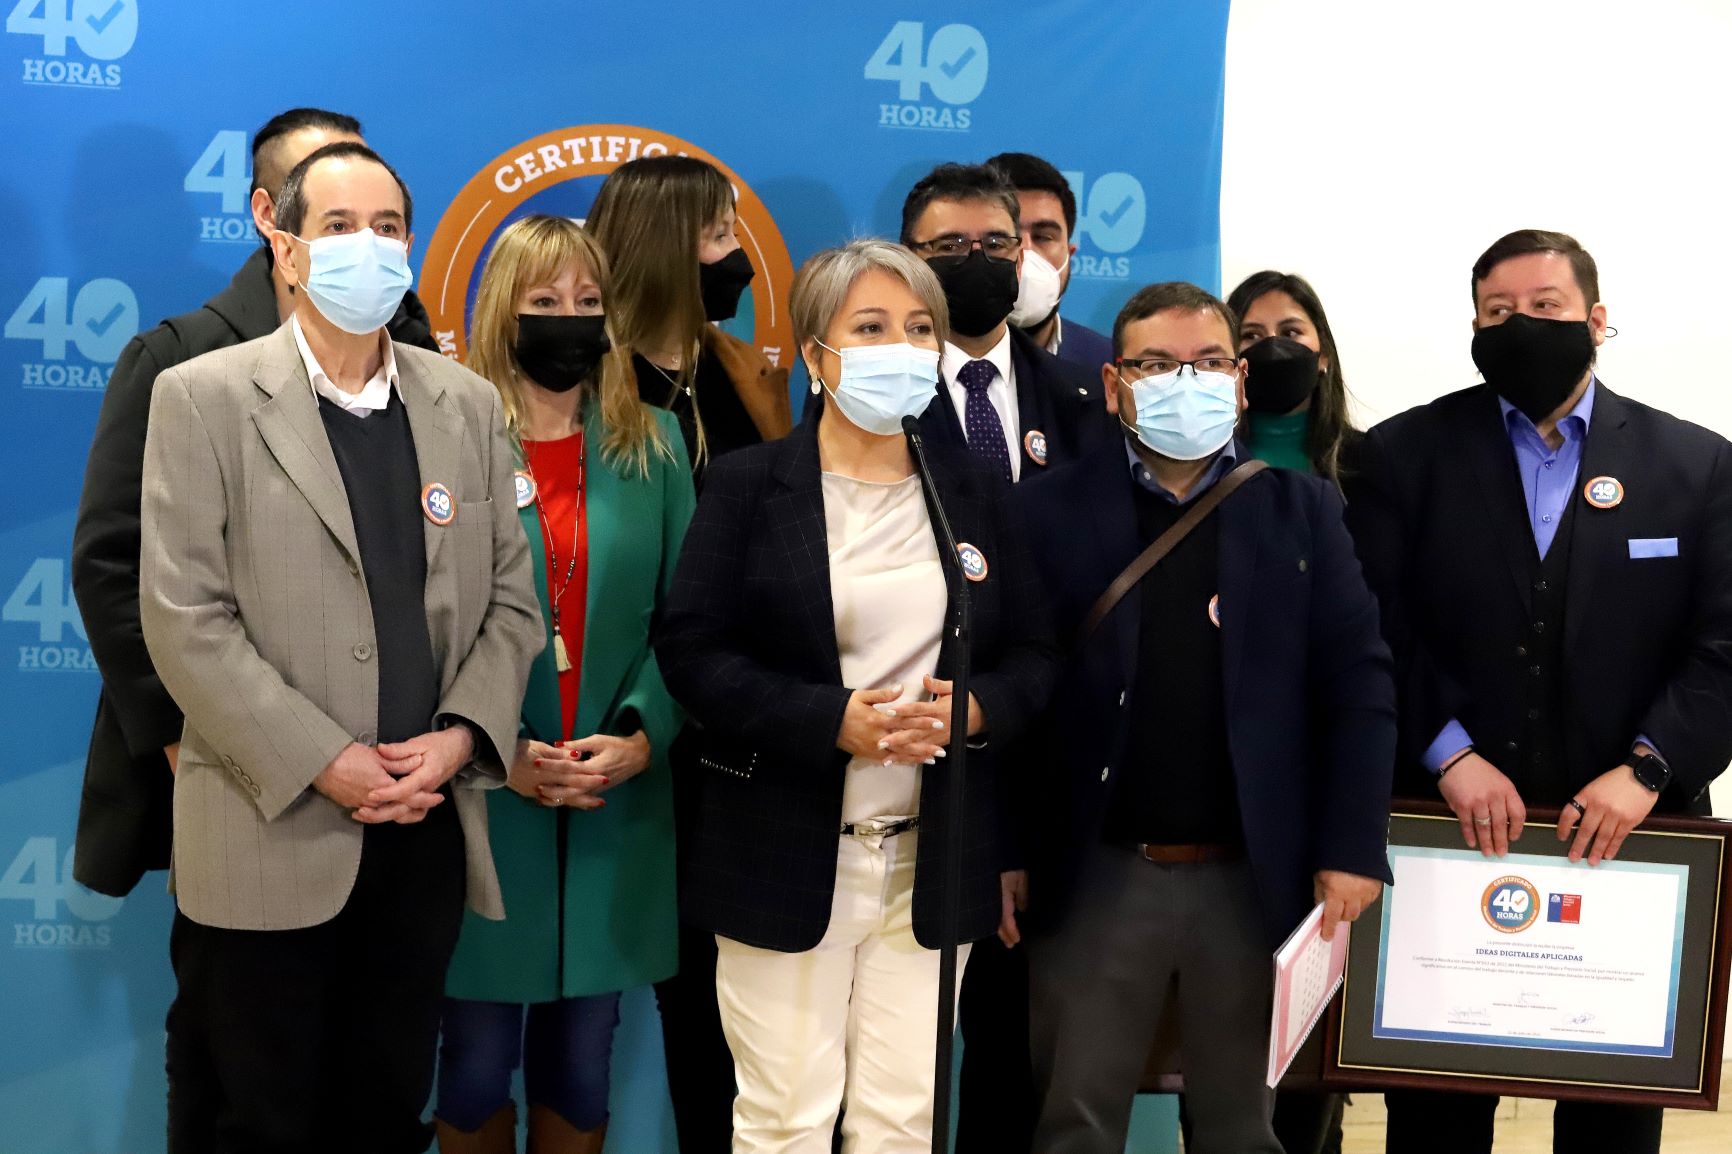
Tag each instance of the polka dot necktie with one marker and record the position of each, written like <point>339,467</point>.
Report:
<point>980,421</point>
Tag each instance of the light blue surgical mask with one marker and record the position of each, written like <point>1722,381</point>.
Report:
<point>1186,415</point>
<point>881,384</point>
<point>356,279</point>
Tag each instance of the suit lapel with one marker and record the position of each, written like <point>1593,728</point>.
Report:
<point>438,433</point>
<point>1241,528</point>
<point>796,513</point>
<point>617,599</point>
<point>1594,538</point>
<point>290,426</point>
<point>1489,459</point>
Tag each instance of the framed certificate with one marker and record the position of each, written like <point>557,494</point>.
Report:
<point>1533,976</point>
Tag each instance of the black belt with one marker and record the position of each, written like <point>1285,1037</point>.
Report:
<point>877,827</point>
<point>1191,854</point>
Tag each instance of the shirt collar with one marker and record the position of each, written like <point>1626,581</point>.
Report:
<point>1573,425</point>
<point>954,358</point>
<point>1224,461</point>
<point>374,395</point>
<point>1057,334</point>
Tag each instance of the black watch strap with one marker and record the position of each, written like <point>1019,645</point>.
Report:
<point>1653,773</point>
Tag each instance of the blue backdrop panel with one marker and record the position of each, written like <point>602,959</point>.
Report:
<point>125,132</point>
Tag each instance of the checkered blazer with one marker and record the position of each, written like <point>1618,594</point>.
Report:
<point>747,644</point>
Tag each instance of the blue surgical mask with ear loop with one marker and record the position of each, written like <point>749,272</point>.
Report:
<point>356,279</point>
<point>1185,415</point>
<point>881,384</point>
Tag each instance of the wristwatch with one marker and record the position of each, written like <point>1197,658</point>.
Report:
<point>1650,771</point>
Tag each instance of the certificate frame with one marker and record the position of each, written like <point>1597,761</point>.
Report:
<point>1358,1055</point>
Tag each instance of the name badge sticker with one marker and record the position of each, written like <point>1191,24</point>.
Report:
<point>437,503</point>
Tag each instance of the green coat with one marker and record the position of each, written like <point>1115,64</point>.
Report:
<point>619,916</point>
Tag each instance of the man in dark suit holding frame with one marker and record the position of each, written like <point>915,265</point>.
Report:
<point>1554,567</point>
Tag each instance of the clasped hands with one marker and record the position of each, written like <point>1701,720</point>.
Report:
<point>399,781</point>
<point>879,727</point>
<point>1491,810</point>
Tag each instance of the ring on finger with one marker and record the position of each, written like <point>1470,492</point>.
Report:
<point>1482,821</point>
<point>1579,807</point>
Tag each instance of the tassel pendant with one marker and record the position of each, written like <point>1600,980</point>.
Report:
<point>561,659</point>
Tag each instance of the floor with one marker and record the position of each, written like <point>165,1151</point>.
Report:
<point>1524,1126</point>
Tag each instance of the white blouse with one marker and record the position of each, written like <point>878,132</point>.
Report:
<point>889,596</point>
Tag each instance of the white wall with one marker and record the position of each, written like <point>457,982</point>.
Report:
<point>1378,147</point>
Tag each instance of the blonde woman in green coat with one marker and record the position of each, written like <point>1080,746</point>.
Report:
<point>583,837</point>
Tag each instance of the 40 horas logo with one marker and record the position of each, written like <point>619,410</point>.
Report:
<point>558,174</point>
<point>1510,904</point>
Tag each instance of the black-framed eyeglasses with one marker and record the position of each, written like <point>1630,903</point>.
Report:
<point>1161,366</point>
<point>998,245</point>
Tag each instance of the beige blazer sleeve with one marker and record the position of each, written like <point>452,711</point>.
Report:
<point>251,718</point>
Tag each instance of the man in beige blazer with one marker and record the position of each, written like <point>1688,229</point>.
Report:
<point>336,590</point>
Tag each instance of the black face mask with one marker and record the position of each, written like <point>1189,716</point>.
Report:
<point>980,290</point>
<point>1534,363</point>
<point>722,282</point>
<point>559,353</point>
<point>1283,373</point>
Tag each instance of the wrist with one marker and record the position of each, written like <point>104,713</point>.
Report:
<point>1454,760</point>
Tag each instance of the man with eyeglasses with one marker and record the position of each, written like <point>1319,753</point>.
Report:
<point>1217,758</point>
<point>1021,410</point>
<point>1017,407</point>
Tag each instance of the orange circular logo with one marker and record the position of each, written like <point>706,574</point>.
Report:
<point>559,173</point>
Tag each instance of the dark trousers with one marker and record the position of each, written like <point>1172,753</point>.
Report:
<point>995,1102</point>
<point>700,1066</point>
<point>324,1038</point>
<point>565,1049</point>
<point>1439,1122</point>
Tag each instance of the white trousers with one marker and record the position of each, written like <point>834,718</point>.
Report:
<point>849,1023</point>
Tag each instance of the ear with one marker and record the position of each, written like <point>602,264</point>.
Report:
<point>408,244</point>
<point>809,353</point>
<point>1110,386</point>
<point>264,212</point>
<point>1244,371</point>
<point>283,250</point>
<point>1597,323</point>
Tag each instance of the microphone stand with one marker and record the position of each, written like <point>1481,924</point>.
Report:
<point>956,762</point>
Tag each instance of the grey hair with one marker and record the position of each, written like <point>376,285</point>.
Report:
<point>824,281</point>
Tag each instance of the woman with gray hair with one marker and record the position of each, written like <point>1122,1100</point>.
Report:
<point>804,634</point>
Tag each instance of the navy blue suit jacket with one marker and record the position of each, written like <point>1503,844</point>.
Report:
<point>747,644</point>
<point>1082,346</point>
<point>1054,398</point>
<point>1309,688</point>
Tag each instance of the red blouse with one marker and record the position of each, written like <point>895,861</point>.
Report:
<point>557,467</point>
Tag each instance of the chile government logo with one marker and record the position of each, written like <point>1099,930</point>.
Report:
<point>1510,904</point>
<point>559,173</point>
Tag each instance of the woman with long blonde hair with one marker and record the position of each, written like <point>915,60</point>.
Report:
<point>667,225</point>
<point>583,836</point>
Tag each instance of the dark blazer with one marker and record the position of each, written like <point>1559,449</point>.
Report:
<point>1053,397</point>
<point>747,645</point>
<point>1081,346</point>
<point>1307,680</point>
<point>1442,524</point>
<point>124,813</point>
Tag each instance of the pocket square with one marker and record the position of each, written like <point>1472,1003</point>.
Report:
<point>1641,547</point>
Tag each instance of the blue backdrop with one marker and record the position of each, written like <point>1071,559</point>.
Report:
<point>125,130</point>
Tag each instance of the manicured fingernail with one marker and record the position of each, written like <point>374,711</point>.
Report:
<point>943,753</point>
<point>931,761</point>
<point>885,744</point>
<point>889,760</point>
<point>937,725</point>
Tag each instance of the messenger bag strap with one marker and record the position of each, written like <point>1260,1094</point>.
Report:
<point>1164,544</point>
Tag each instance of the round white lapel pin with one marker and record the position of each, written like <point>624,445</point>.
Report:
<point>1604,492</point>
<point>437,503</point>
<point>524,485</point>
<point>973,562</point>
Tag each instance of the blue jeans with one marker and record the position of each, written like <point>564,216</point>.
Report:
<point>566,1051</point>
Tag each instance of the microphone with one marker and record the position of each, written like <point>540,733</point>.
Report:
<point>955,765</point>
